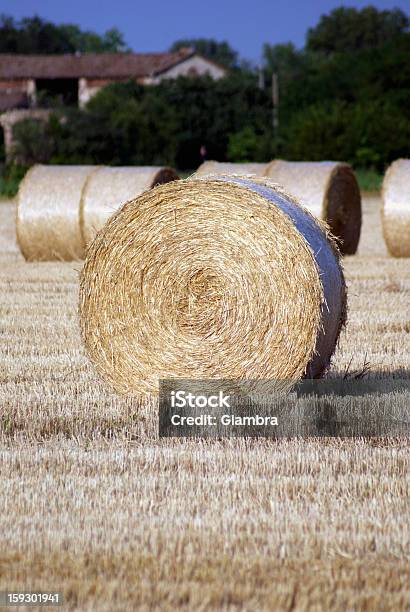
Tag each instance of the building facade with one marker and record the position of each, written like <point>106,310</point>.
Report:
<point>25,80</point>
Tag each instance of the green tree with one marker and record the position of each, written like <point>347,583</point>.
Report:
<point>126,123</point>
<point>122,125</point>
<point>90,42</point>
<point>351,29</point>
<point>366,134</point>
<point>33,142</point>
<point>243,145</point>
<point>284,60</point>
<point>35,35</point>
<point>203,120</point>
<point>248,146</point>
<point>315,101</point>
<point>220,52</point>
<point>32,35</point>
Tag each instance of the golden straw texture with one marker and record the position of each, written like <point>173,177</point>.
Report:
<point>48,213</point>
<point>396,208</point>
<point>329,190</point>
<point>213,278</point>
<point>108,188</point>
<point>214,167</point>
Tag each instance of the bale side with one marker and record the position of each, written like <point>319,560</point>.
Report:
<point>215,168</point>
<point>329,190</point>
<point>109,188</point>
<point>48,213</point>
<point>327,258</point>
<point>197,279</point>
<point>396,208</point>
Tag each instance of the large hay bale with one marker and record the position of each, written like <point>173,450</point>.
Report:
<point>220,277</point>
<point>214,167</point>
<point>48,212</point>
<point>329,190</point>
<point>396,208</point>
<point>108,188</point>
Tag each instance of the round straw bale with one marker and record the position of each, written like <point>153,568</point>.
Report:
<point>214,167</point>
<point>108,188</point>
<point>329,190</point>
<point>48,212</point>
<point>396,208</point>
<point>213,278</point>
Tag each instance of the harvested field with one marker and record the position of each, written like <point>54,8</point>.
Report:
<point>93,504</point>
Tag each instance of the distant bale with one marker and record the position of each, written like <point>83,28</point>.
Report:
<point>213,278</point>
<point>109,188</point>
<point>396,208</point>
<point>214,167</point>
<point>329,190</point>
<point>48,213</point>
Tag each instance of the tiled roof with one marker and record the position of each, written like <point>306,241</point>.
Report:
<point>91,65</point>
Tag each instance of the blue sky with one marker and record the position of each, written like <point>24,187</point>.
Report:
<point>152,25</point>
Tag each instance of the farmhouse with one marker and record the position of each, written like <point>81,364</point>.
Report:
<point>74,79</point>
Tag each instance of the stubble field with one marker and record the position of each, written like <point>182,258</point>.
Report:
<point>93,504</point>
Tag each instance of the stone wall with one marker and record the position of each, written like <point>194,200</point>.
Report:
<point>10,118</point>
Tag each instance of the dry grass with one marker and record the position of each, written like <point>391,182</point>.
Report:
<point>92,503</point>
<point>237,524</point>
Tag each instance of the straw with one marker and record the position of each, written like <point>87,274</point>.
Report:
<point>48,212</point>
<point>108,188</point>
<point>396,208</point>
<point>213,278</point>
<point>329,190</point>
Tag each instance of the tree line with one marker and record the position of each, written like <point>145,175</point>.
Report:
<point>343,96</point>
